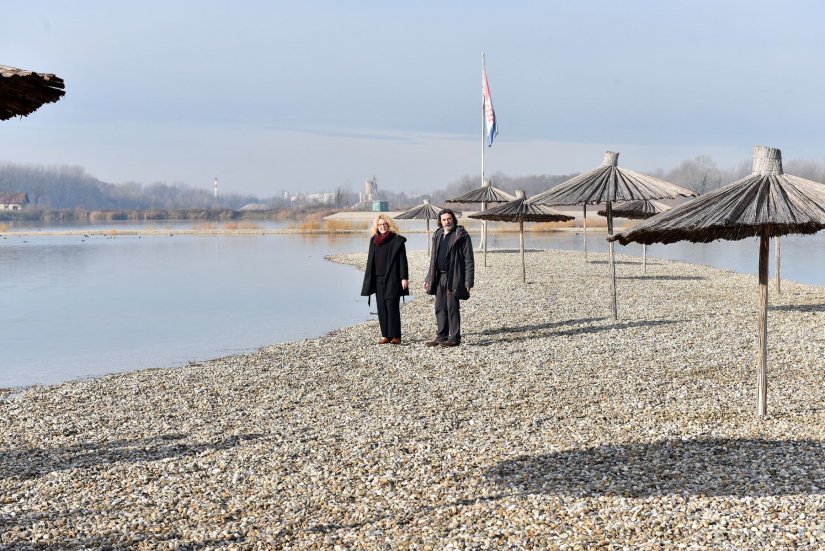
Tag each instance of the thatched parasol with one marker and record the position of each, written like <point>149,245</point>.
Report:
<point>23,92</point>
<point>766,204</point>
<point>607,184</point>
<point>425,211</point>
<point>521,211</point>
<point>485,194</point>
<point>638,210</point>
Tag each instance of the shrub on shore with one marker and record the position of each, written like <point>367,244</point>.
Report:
<point>241,226</point>
<point>346,225</point>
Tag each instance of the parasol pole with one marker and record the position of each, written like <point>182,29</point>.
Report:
<point>428,237</point>
<point>521,246</point>
<point>611,261</point>
<point>762,328</point>
<point>778,281</point>
<point>584,217</point>
<point>584,231</point>
<point>644,258</point>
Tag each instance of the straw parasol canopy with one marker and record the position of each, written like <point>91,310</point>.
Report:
<point>637,210</point>
<point>425,211</point>
<point>608,184</point>
<point>23,92</point>
<point>521,211</point>
<point>766,204</point>
<point>485,194</point>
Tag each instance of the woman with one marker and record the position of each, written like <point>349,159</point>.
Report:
<point>386,275</point>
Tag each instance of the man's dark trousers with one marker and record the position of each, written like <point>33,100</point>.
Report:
<point>447,313</point>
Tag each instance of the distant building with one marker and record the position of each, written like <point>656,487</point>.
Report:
<point>380,206</point>
<point>13,201</point>
<point>370,189</point>
<point>254,207</point>
<point>327,198</point>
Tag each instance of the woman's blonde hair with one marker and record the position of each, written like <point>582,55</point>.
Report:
<point>393,227</point>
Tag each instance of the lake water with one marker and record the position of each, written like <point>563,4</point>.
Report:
<point>77,306</point>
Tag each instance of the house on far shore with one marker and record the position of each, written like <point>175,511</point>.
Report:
<point>13,201</point>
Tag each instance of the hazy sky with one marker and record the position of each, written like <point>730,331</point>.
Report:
<point>310,95</point>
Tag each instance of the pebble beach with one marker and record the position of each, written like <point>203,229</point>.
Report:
<point>552,426</point>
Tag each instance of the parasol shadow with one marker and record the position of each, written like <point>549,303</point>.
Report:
<point>704,467</point>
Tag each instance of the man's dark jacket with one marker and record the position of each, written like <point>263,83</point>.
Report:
<point>396,269</point>
<point>460,262</point>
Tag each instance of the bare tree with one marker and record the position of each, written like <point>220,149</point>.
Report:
<point>699,174</point>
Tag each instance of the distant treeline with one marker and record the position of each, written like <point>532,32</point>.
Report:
<point>80,214</point>
<point>69,187</point>
<point>68,193</point>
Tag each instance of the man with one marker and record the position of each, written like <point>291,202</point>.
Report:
<point>450,277</point>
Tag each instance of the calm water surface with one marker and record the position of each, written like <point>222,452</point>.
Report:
<point>77,307</point>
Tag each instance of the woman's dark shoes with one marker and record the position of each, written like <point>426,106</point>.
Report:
<point>449,343</point>
<point>434,342</point>
<point>384,340</point>
<point>395,340</point>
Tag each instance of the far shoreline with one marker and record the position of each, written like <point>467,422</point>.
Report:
<point>244,231</point>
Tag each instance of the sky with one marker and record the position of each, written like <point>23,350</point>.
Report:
<point>313,95</point>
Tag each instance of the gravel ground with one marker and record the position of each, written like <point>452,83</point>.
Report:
<point>551,426</point>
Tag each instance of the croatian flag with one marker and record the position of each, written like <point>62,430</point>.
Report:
<point>489,114</point>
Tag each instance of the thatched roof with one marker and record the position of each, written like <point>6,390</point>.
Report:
<point>22,92</point>
<point>766,202</point>
<point>519,210</point>
<point>636,210</point>
<point>608,182</point>
<point>425,211</point>
<point>485,194</point>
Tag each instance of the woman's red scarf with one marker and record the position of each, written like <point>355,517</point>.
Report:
<point>381,238</point>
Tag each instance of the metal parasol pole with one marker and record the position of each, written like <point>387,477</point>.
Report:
<point>521,246</point>
<point>584,217</point>
<point>611,260</point>
<point>644,258</point>
<point>428,237</point>
<point>762,329</point>
<point>778,279</point>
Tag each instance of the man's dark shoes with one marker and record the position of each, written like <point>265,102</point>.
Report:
<point>395,340</point>
<point>449,343</point>
<point>434,342</point>
<point>383,340</point>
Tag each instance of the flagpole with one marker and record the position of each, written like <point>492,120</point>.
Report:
<point>483,243</point>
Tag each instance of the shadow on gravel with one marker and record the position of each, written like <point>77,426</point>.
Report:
<point>799,308</point>
<point>524,332</point>
<point>627,262</point>
<point>534,327</point>
<point>27,463</point>
<point>713,467</point>
<point>663,277</point>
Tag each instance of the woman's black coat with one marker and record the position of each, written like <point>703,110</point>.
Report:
<point>396,269</point>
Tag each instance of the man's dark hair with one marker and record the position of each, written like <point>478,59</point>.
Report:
<point>451,213</point>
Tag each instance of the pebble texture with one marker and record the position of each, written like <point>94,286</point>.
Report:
<point>551,426</point>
